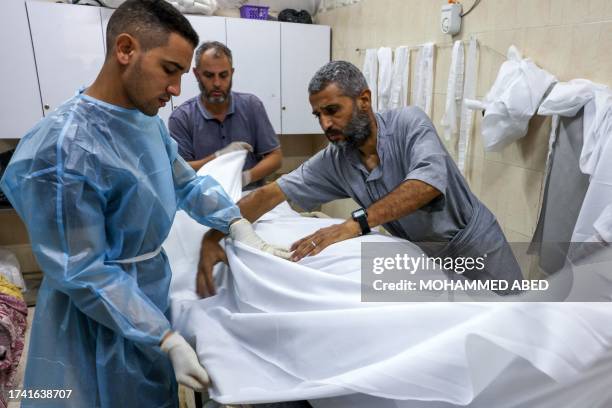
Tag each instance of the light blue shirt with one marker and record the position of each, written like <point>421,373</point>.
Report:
<point>96,184</point>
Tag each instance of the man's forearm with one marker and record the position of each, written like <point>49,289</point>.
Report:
<point>260,201</point>
<point>254,205</point>
<point>405,199</point>
<point>268,165</point>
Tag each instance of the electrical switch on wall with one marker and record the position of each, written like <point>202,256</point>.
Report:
<point>450,20</point>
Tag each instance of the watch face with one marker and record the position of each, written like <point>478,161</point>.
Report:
<point>358,213</point>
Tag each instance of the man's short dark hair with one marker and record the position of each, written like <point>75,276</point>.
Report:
<point>150,22</point>
<point>347,77</point>
<point>220,48</point>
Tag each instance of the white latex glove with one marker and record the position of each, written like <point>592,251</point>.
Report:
<point>242,231</point>
<point>234,147</point>
<point>246,178</point>
<point>187,368</point>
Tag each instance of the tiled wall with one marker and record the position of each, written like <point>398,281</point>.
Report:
<point>569,38</point>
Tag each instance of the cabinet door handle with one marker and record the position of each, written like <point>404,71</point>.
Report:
<point>46,107</point>
<point>284,108</point>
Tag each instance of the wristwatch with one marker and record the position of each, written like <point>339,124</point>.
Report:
<point>361,216</point>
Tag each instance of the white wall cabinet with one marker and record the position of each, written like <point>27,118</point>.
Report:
<point>304,49</point>
<point>68,48</point>
<point>105,15</point>
<point>21,108</point>
<point>255,47</point>
<point>274,61</point>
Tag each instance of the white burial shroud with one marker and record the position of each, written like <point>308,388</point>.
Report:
<point>278,330</point>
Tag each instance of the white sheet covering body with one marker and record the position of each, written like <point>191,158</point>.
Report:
<point>278,330</point>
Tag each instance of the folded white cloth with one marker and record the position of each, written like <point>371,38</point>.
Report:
<point>467,115</point>
<point>385,71</point>
<point>370,72</point>
<point>399,79</point>
<point>567,98</point>
<point>454,93</point>
<point>512,101</point>
<point>422,91</point>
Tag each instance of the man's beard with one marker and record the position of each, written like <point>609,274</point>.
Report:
<point>356,131</point>
<point>137,88</point>
<point>214,99</point>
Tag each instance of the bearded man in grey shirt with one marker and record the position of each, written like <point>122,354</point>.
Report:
<point>219,120</point>
<point>395,167</point>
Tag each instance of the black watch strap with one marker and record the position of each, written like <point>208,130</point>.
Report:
<point>361,216</point>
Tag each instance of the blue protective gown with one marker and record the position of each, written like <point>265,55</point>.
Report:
<point>96,184</point>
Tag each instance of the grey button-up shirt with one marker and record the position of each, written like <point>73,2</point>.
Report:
<point>409,148</point>
<point>199,134</point>
<point>455,223</point>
